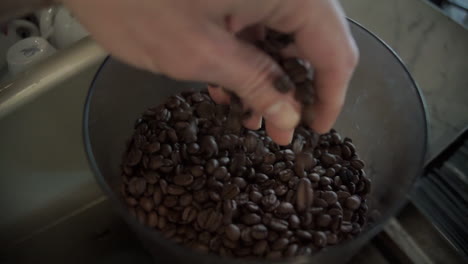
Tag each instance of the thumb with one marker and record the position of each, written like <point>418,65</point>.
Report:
<point>255,78</point>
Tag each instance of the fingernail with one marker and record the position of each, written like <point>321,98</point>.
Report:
<point>282,115</point>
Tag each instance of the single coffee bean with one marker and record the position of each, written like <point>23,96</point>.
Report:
<point>324,220</point>
<point>220,173</point>
<point>278,225</point>
<point>152,219</point>
<point>320,239</point>
<point>330,197</point>
<point>304,235</point>
<point>233,232</point>
<point>230,191</point>
<point>305,195</point>
<point>146,203</point>
<point>280,244</point>
<point>175,190</point>
<point>137,186</point>
<point>251,219</point>
<point>259,232</point>
<point>260,247</point>
<point>185,199</point>
<point>294,221</point>
<point>291,251</point>
<point>353,202</point>
<point>240,182</point>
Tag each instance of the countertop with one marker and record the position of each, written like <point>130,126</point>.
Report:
<point>435,50</point>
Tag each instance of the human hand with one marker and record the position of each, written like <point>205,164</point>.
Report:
<point>195,40</point>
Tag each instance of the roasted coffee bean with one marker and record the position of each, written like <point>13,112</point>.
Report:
<point>330,197</point>
<point>189,214</point>
<point>232,232</point>
<point>353,202</point>
<point>152,219</point>
<point>175,190</point>
<point>320,239</point>
<point>134,157</point>
<point>305,195</point>
<point>278,225</point>
<point>230,191</point>
<point>251,219</point>
<point>294,221</point>
<point>260,247</point>
<point>185,199</point>
<point>137,186</point>
<point>146,203</point>
<point>304,235</point>
<point>183,179</point>
<point>170,201</point>
<point>291,251</point>
<point>220,173</point>
<point>323,220</point>
<point>259,232</point>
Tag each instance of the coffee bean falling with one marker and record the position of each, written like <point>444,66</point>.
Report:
<point>235,192</point>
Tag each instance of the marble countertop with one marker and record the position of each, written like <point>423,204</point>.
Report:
<point>435,50</point>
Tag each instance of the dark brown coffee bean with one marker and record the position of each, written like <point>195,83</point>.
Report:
<point>291,251</point>
<point>286,175</point>
<point>251,219</point>
<point>134,157</point>
<point>185,199</point>
<point>324,220</point>
<point>175,190</point>
<point>211,165</point>
<point>152,147</point>
<point>209,147</point>
<point>146,203</point>
<point>230,191</point>
<point>193,148</point>
<point>284,210</point>
<point>280,244</point>
<point>152,219</point>
<point>353,202</point>
<point>170,201</point>
<point>346,227</point>
<point>200,196</point>
<point>240,182</point>
<point>189,214</point>
<point>259,232</point>
<point>261,178</point>
<point>255,196</point>
<point>141,216</point>
<point>304,235</point>
<point>324,181</point>
<point>246,235</point>
<point>214,196</point>
<point>278,225</point>
<point>320,239</point>
<point>137,186</point>
<point>305,195</point>
<point>157,196</point>
<point>283,84</point>
<point>314,177</point>
<point>131,201</point>
<point>260,248</point>
<point>330,197</point>
<point>198,184</point>
<point>196,171</point>
<point>220,173</point>
<point>357,164</point>
<point>233,232</point>
<point>183,179</point>
<point>294,221</point>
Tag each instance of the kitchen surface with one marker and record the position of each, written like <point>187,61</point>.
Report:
<point>54,211</point>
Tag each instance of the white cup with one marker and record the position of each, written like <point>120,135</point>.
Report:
<point>26,53</point>
<point>59,27</point>
<point>19,29</point>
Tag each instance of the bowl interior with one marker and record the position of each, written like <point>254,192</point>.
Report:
<point>384,115</point>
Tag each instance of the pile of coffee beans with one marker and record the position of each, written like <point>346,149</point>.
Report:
<point>220,188</point>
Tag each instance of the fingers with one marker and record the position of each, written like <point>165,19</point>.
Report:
<point>280,136</point>
<point>323,38</point>
<point>251,73</point>
<point>330,48</point>
<point>218,95</point>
